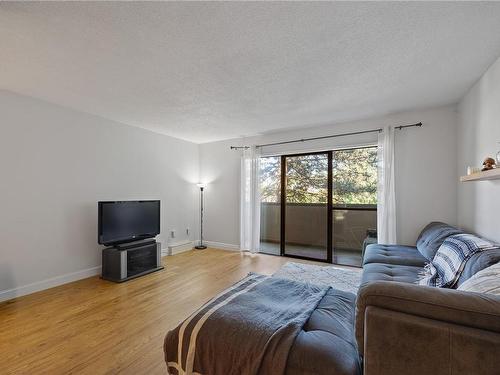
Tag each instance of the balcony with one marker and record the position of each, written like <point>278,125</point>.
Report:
<point>306,230</point>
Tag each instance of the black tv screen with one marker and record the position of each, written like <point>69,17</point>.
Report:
<point>125,221</point>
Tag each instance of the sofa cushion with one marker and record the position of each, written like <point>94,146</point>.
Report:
<point>393,254</point>
<point>390,272</point>
<point>478,262</point>
<point>432,236</point>
<point>326,344</point>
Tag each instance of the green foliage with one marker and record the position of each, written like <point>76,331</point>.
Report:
<point>270,179</point>
<point>307,179</point>
<point>354,177</point>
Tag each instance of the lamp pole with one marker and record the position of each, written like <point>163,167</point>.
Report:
<point>201,246</point>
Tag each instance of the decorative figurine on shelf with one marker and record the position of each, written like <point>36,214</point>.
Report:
<point>489,163</point>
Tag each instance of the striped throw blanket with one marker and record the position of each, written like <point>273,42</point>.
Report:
<point>450,259</point>
<point>248,329</point>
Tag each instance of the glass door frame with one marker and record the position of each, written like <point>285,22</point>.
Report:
<point>331,207</point>
<point>329,239</point>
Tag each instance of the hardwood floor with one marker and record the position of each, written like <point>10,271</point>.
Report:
<point>93,326</point>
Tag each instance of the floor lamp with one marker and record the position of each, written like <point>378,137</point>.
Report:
<point>200,245</point>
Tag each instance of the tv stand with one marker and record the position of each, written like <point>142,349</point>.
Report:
<point>131,245</point>
<point>128,261</point>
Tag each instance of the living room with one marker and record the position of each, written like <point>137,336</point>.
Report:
<point>315,187</point>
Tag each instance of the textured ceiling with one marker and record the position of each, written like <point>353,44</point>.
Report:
<point>211,71</point>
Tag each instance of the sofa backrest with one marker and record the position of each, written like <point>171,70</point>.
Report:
<point>432,236</point>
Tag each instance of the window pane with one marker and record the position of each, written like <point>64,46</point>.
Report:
<point>306,211</point>
<point>307,179</point>
<point>270,206</point>
<point>270,179</point>
<point>354,201</point>
<point>355,176</point>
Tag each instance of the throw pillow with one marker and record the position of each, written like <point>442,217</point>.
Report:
<point>485,281</point>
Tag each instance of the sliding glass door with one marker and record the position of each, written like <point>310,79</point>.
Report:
<point>354,203</point>
<point>320,206</point>
<point>306,206</point>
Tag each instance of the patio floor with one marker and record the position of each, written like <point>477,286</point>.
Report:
<point>348,257</point>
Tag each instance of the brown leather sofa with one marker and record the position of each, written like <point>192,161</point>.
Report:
<point>404,328</point>
<point>414,330</point>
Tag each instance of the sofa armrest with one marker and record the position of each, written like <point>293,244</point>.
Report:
<point>466,309</point>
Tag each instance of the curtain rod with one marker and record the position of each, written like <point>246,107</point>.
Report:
<point>240,147</point>
<point>325,137</point>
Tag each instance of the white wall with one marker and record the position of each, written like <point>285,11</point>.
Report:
<point>425,170</point>
<point>55,164</point>
<point>478,137</point>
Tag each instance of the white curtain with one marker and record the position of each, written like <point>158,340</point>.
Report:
<point>250,200</point>
<point>386,197</point>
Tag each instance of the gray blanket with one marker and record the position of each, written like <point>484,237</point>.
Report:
<point>247,329</point>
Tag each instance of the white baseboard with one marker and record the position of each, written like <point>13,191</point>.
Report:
<point>83,274</point>
<point>177,248</point>
<point>222,245</point>
<point>48,283</point>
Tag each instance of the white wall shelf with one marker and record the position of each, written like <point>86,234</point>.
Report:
<point>492,174</point>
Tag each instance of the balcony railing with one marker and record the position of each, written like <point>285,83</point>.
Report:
<point>306,225</point>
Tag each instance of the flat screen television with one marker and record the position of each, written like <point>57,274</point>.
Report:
<point>126,221</point>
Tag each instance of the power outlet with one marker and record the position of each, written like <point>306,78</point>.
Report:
<point>187,231</point>
<point>172,233</point>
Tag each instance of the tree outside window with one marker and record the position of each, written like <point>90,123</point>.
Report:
<point>354,178</point>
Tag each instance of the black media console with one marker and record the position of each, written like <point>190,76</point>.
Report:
<point>128,261</point>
